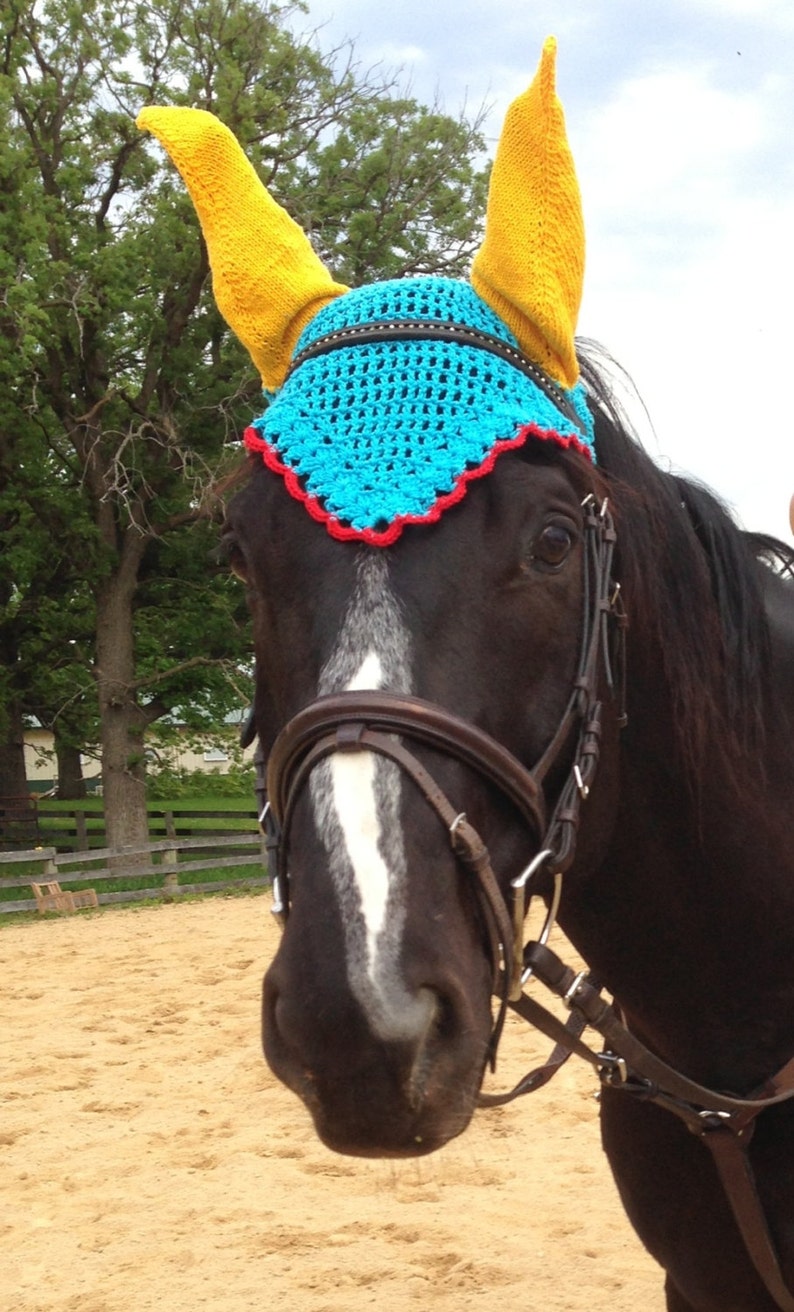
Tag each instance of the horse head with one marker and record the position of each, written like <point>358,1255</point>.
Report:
<point>430,642</point>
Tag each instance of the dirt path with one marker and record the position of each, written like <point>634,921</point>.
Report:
<point>150,1161</point>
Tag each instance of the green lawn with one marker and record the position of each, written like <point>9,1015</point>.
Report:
<point>93,805</point>
<point>56,832</point>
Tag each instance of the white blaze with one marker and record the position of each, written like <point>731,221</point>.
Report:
<point>356,800</point>
<point>353,775</point>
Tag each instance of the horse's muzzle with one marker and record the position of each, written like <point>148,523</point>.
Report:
<point>374,1097</point>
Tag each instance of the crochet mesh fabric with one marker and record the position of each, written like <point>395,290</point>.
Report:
<point>375,436</point>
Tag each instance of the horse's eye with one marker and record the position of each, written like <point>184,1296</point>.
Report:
<point>552,546</point>
<point>230,551</point>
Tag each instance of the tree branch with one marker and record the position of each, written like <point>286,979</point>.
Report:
<point>152,679</point>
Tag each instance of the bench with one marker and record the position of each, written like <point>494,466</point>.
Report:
<point>51,897</point>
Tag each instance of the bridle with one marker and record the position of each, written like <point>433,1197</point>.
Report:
<point>370,721</point>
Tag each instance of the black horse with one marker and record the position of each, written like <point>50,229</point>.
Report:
<point>680,895</point>
<point>504,655</point>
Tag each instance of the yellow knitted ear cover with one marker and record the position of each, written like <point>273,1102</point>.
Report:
<point>267,280</point>
<point>530,266</point>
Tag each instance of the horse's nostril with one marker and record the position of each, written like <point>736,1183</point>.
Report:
<point>446,1020</point>
<point>443,1027</point>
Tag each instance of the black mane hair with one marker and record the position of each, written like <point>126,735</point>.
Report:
<point>694,577</point>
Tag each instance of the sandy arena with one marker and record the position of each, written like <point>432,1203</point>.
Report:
<point>150,1161</point>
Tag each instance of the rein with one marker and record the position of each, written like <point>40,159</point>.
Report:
<point>725,1124</point>
<point>369,721</point>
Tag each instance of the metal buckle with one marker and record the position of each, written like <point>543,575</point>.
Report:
<point>584,790</point>
<point>613,1069</point>
<point>569,997</point>
<point>711,1120</point>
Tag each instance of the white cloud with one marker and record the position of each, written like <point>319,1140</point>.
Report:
<point>690,276</point>
<point>680,117</point>
<point>777,12</point>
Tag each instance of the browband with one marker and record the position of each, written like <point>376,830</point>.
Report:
<point>394,330</point>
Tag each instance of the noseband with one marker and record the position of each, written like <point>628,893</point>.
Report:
<point>369,721</point>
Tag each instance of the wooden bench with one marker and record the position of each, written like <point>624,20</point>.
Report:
<point>51,897</point>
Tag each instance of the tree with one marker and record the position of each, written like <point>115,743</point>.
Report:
<point>395,193</point>
<point>116,365</point>
<point>46,608</point>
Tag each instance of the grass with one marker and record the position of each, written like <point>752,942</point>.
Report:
<point>27,917</point>
<point>192,803</point>
<point>57,832</point>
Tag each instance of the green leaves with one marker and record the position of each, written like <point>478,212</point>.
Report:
<point>397,192</point>
<point>122,394</point>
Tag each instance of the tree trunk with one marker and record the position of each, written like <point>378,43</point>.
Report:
<point>121,720</point>
<point>18,823</point>
<point>71,784</point>
<point>13,779</point>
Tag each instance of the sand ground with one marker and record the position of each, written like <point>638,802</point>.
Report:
<point>150,1161</point>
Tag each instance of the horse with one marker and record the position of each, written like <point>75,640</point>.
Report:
<point>681,891</point>
<point>549,670</point>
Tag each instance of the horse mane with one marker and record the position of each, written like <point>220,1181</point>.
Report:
<point>694,579</point>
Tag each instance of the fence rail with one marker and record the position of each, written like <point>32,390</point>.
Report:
<point>71,867</point>
<point>24,824</point>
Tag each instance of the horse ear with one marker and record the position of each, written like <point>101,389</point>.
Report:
<point>266,278</point>
<point>530,266</point>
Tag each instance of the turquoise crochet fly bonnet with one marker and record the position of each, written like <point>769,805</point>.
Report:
<point>386,401</point>
<point>375,434</point>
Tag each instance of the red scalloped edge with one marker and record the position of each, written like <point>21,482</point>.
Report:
<point>387,537</point>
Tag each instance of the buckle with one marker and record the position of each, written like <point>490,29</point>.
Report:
<point>569,996</point>
<point>612,1069</point>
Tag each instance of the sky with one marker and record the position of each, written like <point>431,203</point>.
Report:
<point>680,116</point>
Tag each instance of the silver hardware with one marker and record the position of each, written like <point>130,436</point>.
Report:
<point>520,907</point>
<point>265,813</point>
<point>604,508</point>
<point>535,863</point>
<point>613,1069</point>
<point>459,820</point>
<point>569,997</point>
<point>553,909</point>
<point>278,908</point>
<point>548,925</point>
<point>584,790</point>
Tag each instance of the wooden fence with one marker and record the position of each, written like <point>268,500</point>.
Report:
<point>102,865</point>
<point>24,824</point>
<point>19,822</point>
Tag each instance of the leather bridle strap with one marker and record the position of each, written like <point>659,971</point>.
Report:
<point>354,722</point>
<point>729,1153</point>
<point>422,721</point>
<point>663,1083</point>
<point>368,720</point>
<point>464,839</point>
<point>723,1122</point>
<point>405,330</point>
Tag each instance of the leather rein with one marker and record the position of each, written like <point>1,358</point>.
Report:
<point>369,721</point>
